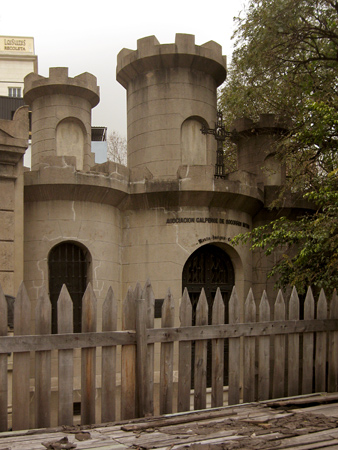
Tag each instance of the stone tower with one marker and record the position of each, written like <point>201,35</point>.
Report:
<point>256,148</point>
<point>61,115</point>
<point>171,93</point>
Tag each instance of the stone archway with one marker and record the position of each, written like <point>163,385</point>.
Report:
<point>210,267</point>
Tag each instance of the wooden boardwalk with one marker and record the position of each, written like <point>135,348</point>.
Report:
<point>270,425</point>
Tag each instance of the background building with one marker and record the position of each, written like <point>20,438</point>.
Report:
<point>17,59</point>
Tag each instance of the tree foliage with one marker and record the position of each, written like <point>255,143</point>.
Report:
<point>286,62</point>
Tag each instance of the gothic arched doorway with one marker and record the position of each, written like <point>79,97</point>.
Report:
<point>68,264</point>
<point>210,267</point>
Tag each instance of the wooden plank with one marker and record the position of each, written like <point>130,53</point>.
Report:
<point>167,358</point>
<point>43,326</point>
<point>149,297</point>
<point>3,364</point>
<point>179,419</point>
<point>333,347</point>
<point>101,339</point>
<point>15,344</point>
<point>321,346</point>
<point>200,364</point>
<point>88,358</point>
<point>184,361</point>
<point>234,351</point>
<point>65,359</point>
<point>108,367</point>
<point>293,347</point>
<point>249,351</point>
<point>308,345</point>
<point>279,350</point>
<point>141,340</point>
<point>264,352</point>
<point>128,360</point>
<point>217,363</point>
<point>137,294</point>
<point>21,363</point>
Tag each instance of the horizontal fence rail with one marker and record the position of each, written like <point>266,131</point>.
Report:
<point>271,355</point>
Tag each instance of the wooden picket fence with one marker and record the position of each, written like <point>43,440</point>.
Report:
<point>267,358</point>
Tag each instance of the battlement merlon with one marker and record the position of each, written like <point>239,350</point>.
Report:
<point>151,55</point>
<point>84,85</point>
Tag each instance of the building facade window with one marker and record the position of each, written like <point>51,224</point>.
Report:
<point>14,92</point>
<point>68,264</point>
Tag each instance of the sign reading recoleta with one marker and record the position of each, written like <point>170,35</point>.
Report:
<point>208,220</point>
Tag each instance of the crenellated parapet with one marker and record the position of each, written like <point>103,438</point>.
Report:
<point>267,123</point>
<point>151,55</point>
<point>61,115</point>
<point>171,94</point>
<point>257,143</point>
<point>84,85</point>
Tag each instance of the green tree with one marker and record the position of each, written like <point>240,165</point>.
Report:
<point>286,62</point>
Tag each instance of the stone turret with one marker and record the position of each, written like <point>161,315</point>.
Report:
<point>171,93</point>
<point>61,115</point>
<point>256,148</point>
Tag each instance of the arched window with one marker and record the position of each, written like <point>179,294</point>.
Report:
<point>70,140</point>
<point>68,264</point>
<point>210,267</point>
<point>193,142</point>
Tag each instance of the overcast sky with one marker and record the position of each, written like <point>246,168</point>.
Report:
<point>87,36</point>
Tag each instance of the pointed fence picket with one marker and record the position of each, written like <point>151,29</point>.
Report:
<point>333,348</point>
<point>308,345</point>
<point>265,358</point>
<point>184,364</point>
<point>108,363</point>
<point>66,361</point>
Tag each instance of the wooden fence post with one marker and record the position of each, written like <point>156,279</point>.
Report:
<point>167,358</point>
<point>249,351</point>
<point>308,345</point>
<point>43,325</point>
<point>184,362</point>
<point>128,361</point>
<point>333,347</point>
<point>279,349</point>
<point>200,366</point>
<point>3,365</point>
<point>141,349</point>
<point>234,352</point>
<point>217,363</point>
<point>65,358</point>
<point>108,365</point>
<point>88,359</point>
<point>21,363</point>
<point>149,297</point>
<point>264,352</point>
<point>293,347</point>
<point>321,346</point>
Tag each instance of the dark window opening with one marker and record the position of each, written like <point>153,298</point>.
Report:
<point>158,308</point>
<point>68,264</point>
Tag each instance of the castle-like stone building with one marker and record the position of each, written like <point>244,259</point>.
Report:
<point>166,216</point>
